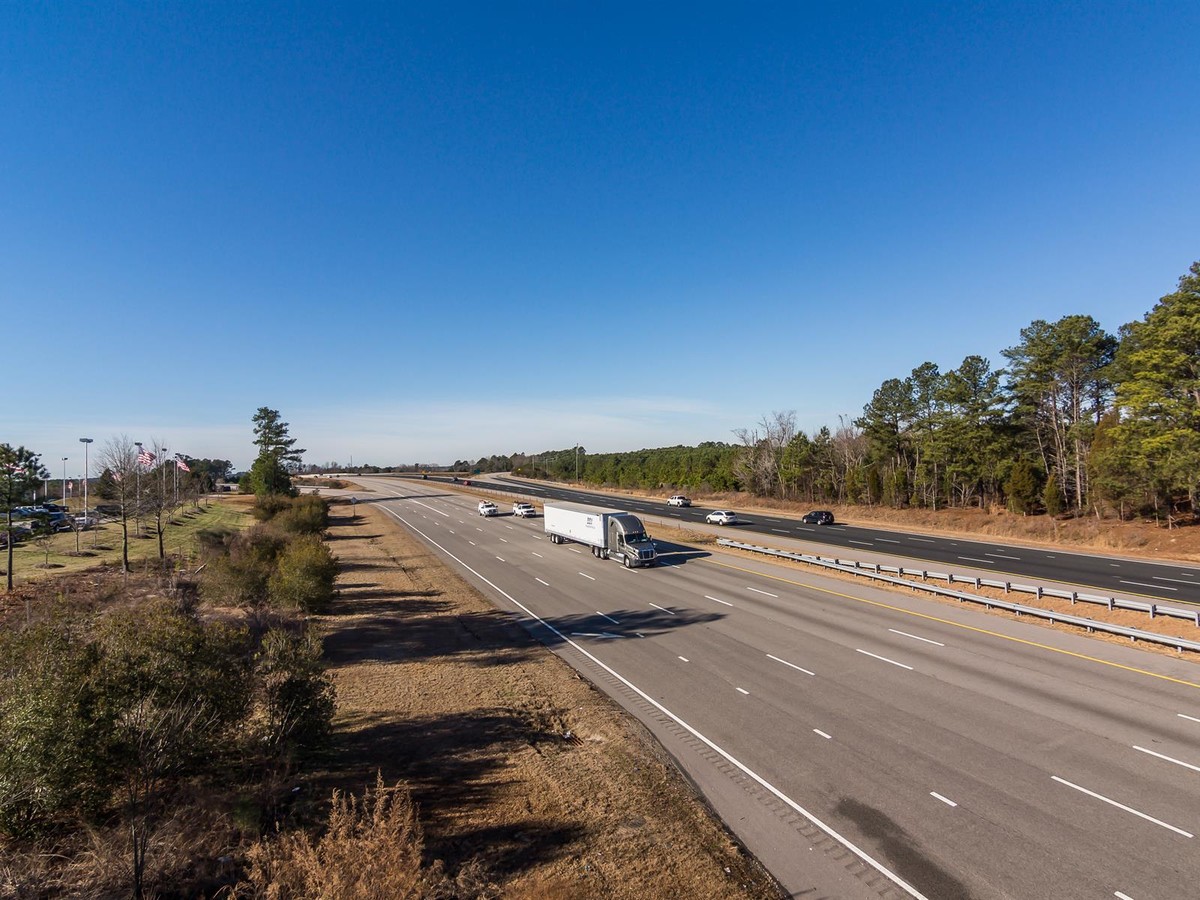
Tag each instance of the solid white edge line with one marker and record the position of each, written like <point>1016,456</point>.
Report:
<point>915,637</point>
<point>945,800</point>
<point>1177,762</point>
<point>884,659</point>
<point>1128,809</point>
<point>716,600</point>
<point>827,737</point>
<point>793,665</point>
<point>733,760</point>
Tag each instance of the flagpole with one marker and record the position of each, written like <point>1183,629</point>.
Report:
<point>138,469</point>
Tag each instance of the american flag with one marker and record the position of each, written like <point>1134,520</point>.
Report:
<point>145,457</point>
<point>182,463</point>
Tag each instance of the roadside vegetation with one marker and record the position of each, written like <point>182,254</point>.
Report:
<point>151,720</point>
<point>1080,423</point>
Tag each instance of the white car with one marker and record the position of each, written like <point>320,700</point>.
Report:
<point>721,517</point>
<point>524,510</point>
<point>679,500</point>
<point>488,508</point>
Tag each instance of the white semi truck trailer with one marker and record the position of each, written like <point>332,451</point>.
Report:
<point>611,533</point>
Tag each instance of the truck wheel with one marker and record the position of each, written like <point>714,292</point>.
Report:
<point>628,563</point>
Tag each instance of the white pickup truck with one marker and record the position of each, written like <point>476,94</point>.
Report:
<point>524,510</point>
<point>679,500</point>
<point>488,508</point>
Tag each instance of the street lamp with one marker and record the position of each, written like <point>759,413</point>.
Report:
<point>86,472</point>
<point>64,482</point>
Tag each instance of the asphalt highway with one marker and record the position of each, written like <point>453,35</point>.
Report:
<point>1105,575</point>
<point>864,743</point>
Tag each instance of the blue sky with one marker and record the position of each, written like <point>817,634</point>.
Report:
<point>433,231</point>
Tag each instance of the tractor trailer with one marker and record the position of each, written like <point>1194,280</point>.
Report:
<point>611,533</point>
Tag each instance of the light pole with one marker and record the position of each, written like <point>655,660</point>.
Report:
<point>85,442</point>
<point>64,482</point>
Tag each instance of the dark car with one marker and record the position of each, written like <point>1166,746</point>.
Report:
<point>818,517</point>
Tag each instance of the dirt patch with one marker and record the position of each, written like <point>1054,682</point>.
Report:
<point>519,766</point>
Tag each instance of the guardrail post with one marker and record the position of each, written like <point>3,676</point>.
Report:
<point>1037,592</point>
<point>1074,597</point>
<point>977,586</point>
<point>1007,586</point>
<point>1111,603</point>
<point>1152,610</point>
<point>924,575</point>
<point>1198,619</point>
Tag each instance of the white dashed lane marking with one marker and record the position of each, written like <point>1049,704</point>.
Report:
<point>883,659</point>
<point>793,665</point>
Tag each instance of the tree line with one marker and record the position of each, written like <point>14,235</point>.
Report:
<point>1078,421</point>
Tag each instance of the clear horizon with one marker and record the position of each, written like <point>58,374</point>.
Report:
<point>426,234</point>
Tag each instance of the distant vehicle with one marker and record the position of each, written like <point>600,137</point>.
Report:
<point>679,500</point>
<point>488,508</point>
<point>524,510</point>
<point>721,517</point>
<point>818,517</point>
<point>87,521</point>
<point>611,533</point>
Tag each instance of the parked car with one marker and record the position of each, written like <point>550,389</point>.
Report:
<point>86,521</point>
<point>721,517</point>
<point>488,508</point>
<point>818,517</point>
<point>524,510</point>
<point>679,500</point>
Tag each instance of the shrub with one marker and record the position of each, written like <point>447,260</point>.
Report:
<point>304,576</point>
<point>241,578</point>
<point>296,697</point>
<point>268,506</point>
<point>305,515</point>
<point>52,744</point>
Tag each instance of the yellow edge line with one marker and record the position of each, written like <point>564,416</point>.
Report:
<point>919,615</point>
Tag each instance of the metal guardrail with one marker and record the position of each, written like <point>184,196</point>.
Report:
<point>877,572</point>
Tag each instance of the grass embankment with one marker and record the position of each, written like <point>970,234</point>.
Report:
<point>528,780</point>
<point>101,546</point>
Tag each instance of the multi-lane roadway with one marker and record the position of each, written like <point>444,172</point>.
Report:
<point>1108,575</point>
<point>863,743</point>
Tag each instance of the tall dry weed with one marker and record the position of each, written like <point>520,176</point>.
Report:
<point>372,847</point>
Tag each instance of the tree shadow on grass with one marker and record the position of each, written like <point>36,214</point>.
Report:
<point>450,762</point>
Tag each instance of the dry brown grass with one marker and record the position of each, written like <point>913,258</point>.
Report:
<point>526,777</point>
